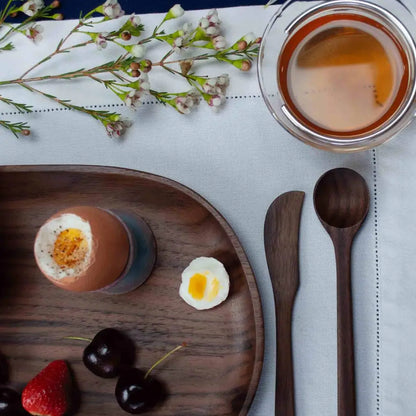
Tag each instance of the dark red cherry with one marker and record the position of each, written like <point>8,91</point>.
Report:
<point>136,394</point>
<point>10,403</point>
<point>4,369</point>
<point>108,353</point>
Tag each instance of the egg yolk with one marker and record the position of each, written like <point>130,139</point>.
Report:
<point>197,285</point>
<point>70,248</point>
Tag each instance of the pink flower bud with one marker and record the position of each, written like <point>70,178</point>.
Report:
<point>245,65</point>
<point>241,45</point>
<point>146,65</point>
<point>126,35</point>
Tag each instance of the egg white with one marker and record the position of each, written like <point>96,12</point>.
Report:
<point>212,269</point>
<point>45,241</point>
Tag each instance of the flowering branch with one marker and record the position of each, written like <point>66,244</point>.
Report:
<point>34,9</point>
<point>128,75</point>
<point>21,108</point>
<point>16,128</point>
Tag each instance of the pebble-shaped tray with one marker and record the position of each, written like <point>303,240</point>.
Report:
<point>215,375</point>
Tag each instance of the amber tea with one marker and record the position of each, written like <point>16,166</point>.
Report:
<point>343,75</point>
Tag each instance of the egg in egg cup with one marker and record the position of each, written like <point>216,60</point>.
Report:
<point>86,249</point>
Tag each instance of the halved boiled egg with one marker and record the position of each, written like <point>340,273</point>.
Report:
<point>82,248</point>
<point>205,283</point>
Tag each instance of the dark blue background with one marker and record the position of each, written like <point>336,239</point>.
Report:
<point>72,8</point>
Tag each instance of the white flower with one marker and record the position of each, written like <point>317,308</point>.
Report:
<point>212,17</point>
<point>215,101</point>
<point>184,34</point>
<point>112,9</point>
<point>101,41</point>
<point>135,20</point>
<point>138,51</point>
<point>212,31</point>
<point>134,98</point>
<point>185,104</point>
<point>144,77</point>
<point>209,86</point>
<point>144,83</point>
<point>31,7</point>
<point>211,23</point>
<point>217,85</point>
<point>223,81</point>
<point>219,43</point>
<point>250,37</point>
<point>178,43</point>
<point>34,33</point>
<point>195,95</point>
<point>203,23</point>
<point>187,29</point>
<point>176,11</point>
<point>117,128</point>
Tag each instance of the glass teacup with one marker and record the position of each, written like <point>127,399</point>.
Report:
<point>340,74</point>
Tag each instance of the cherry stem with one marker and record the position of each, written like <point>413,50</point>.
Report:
<point>163,359</point>
<point>79,339</point>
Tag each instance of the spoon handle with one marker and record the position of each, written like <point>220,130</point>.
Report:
<point>346,377</point>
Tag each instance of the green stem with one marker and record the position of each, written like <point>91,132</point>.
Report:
<point>105,117</point>
<point>97,114</point>
<point>116,66</point>
<point>59,49</point>
<point>79,339</point>
<point>189,78</point>
<point>41,14</point>
<point>90,13</point>
<point>21,108</point>
<point>15,29</point>
<point>177,61</point>
<point>7,34</point>
<point>162,359</point>
<point>5,13</point>
<point>15,128</point>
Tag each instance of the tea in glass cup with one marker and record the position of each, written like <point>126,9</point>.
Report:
<point>343,75</point>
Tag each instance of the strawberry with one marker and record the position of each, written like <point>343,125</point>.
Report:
<point>48,394</point>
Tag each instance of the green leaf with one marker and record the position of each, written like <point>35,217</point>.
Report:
<point>14,128</point>
<point>7,47</point>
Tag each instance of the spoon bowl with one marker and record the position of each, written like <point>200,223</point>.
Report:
<point>342,200</point>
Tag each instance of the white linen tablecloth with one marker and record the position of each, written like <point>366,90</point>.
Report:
<point>240,159</point>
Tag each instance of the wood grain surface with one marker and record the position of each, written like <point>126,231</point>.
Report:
<point>342,200</point>
<point>281,242</point>
<point>217,374</point>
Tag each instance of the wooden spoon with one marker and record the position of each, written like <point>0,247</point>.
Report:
<point>341,201</point>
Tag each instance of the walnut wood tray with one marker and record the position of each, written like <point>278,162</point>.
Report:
<point>216,374</point>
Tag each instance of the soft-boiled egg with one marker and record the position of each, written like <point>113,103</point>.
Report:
<point>82,248</point>
<point>205,283</point>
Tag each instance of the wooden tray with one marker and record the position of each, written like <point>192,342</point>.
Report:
<point>217,374</point>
